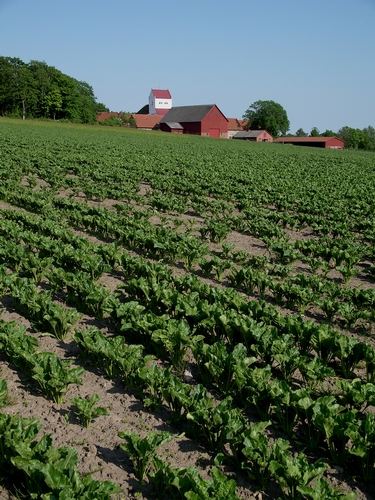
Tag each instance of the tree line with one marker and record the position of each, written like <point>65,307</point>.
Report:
<point>271,116</point>
<point>36,90</point>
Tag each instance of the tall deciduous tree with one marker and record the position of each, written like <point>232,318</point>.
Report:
<point>301,133</point>
<point>53,101</point>
<point>268,115</point>
<point>355,138</point>
<point>328,133</point>
<point>370,133</point>
<point>314,132</point>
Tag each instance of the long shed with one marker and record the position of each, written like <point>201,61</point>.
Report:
<point>205,119</point>
<point>317,142</point>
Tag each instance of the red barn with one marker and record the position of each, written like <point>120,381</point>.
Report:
<point>318,142</point>
<point>205,119</point>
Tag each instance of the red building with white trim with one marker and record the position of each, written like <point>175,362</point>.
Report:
<point>159,102</point>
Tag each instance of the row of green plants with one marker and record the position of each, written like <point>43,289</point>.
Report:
<point>293,474</point>
<point>52,374</point>
<point>167,342</point>
<point>161,299</point>
<point>36,469</point>
<point>95,299</point>
<point>339,423</point>
<point>300,291</point>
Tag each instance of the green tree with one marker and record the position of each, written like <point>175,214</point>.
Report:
<point>268,115</point>
<point>127,118</point>
<point>328,133</point>
<point>101,108</point>
<point>112,121</point>
<point>370,133</point>
<point>45,78</point>
<point>301,133</point>
<point>53,102</point>
<point>18,92</point>
<point>355,138</point>
<point>314,132</point>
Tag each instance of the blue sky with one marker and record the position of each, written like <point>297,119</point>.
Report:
<point>315,58</point>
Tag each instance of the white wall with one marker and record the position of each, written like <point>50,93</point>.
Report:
<point>156,103</point>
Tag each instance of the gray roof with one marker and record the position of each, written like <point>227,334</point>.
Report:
<point>187,113</point>
<point>174,125</point>
<point>247,134</point>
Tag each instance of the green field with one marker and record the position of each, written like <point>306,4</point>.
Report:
<point>224,288</point>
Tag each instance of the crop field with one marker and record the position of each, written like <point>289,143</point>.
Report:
<point>184,317</point>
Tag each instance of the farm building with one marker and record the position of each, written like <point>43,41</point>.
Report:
<point>317,142</point>
<point>107,114</point>
<point>159,102</point>
<point>235,126</point>
<point>205,119</point>
<point>254,135</point>
<point>146,122</point>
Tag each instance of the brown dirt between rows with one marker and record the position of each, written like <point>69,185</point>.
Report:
<point>98,446</point>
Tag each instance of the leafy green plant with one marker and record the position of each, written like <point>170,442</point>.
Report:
<point>350,313</point>
<point>142,451</point>
<point>176,395</point>
<point>369,356</point>
<point>305,409</point>
<point>292,471</point>
<point>18,346</point>
<point>356,394</point>
<point>187,483</point>
<point>255,453</point>
<point>53,375</point>
<point>4,395</point>
<point>286,355</point>
<point>254,390</point>
<point>36,265</point>
<point>150,389</point>
<point>314,372</point>
<point>331,419</point>
<point>219,424</point>
<point>217,488</point>
<point>283,404</point>
<point>85,410</point>
<point>323,341</point>
<point>362,436</point>
<point>176,339</point>
<point>112,354</point>
<point>220,367</point>
<point>61,320</point>
<point>321,490</point>
<point>41,471</point>
<point>349,351</point>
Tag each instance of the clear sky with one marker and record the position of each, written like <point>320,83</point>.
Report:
<point>315,58</point>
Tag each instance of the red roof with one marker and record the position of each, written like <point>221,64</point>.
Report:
<point>307,139</point>
<point>161,94</point>
<point>106,114</point>
<point>146,121</point>
<point>234,124</point>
